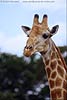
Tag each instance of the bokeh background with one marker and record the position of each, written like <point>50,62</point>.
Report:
<point>23,78</point>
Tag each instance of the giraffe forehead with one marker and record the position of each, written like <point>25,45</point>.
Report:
<point>38,29</point>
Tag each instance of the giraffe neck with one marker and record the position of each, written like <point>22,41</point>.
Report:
<point>56,71</point>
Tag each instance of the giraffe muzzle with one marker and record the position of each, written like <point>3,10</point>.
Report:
<point>28,51</point>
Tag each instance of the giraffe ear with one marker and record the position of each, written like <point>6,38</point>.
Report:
<point>54,30</point>
<point>26,30</point>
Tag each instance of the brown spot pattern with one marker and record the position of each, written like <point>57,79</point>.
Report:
<point>53,65</point>
<point>65,85</point>
<point>48,72</point>
<point>51,83</point>
<point>64,95</point>
<point>66,77</point>
<point>47,62</point>
<point>53,75</point>
<point>56,94</point>
<point>58,81</point>
<point>59,62</point>
<point>53,94</point>
<point>53,56</point>
<point>60,71</point>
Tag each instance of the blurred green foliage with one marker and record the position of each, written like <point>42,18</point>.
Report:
<point>20,77</point>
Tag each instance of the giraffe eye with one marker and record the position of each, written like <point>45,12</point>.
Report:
<point>45,36</point>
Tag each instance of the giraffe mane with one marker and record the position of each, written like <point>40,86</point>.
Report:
<point>63,61</point>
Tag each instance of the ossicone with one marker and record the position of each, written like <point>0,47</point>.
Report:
<point>36,19</point>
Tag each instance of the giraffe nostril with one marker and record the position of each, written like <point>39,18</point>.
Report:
<point>26,47</point>
<point>30,47</point>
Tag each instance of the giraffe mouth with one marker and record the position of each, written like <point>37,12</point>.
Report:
<point>27,53</point>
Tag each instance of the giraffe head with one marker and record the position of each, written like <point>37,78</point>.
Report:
<point>38,36</point>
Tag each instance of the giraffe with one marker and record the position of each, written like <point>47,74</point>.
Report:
<point>39,40</point>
